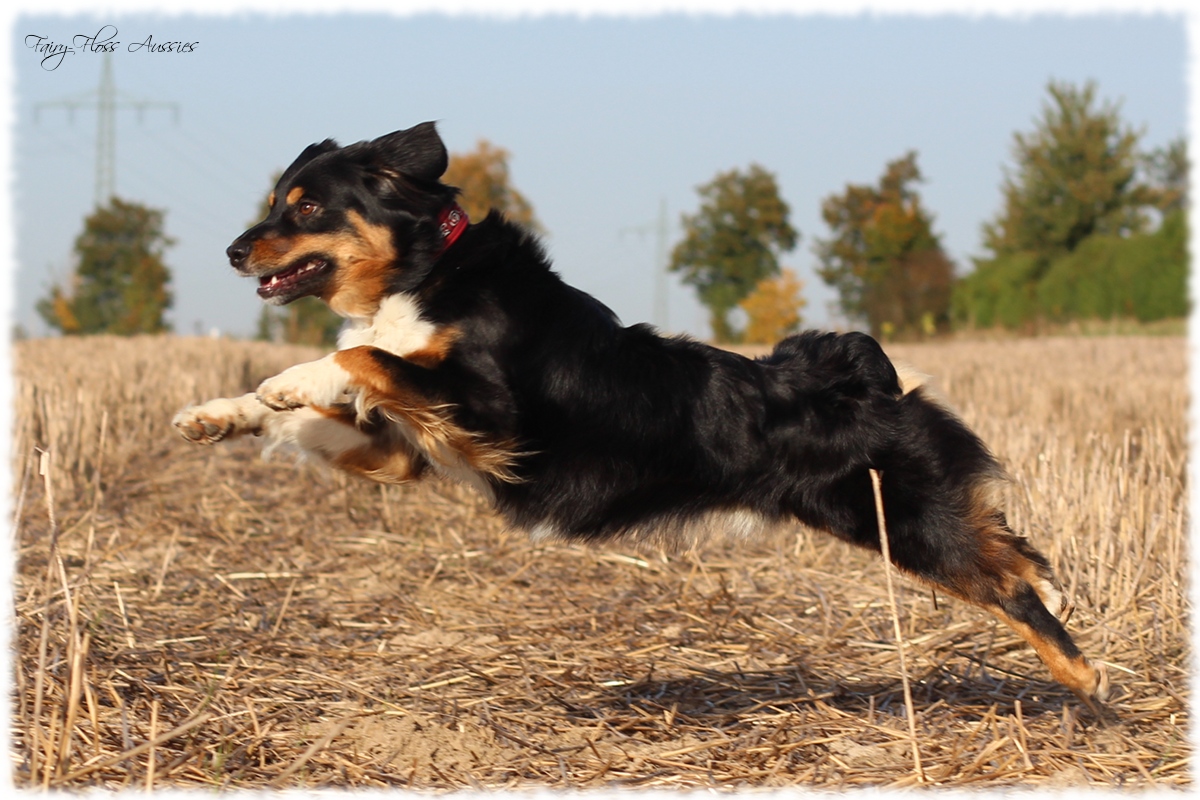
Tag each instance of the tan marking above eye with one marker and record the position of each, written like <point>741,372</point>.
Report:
<point>294,194</point>
<point>271,199</point>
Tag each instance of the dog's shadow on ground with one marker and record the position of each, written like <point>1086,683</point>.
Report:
<point>719,698</point>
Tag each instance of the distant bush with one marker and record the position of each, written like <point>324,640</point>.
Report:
<point>1143,277</point>
<point>998,293</point>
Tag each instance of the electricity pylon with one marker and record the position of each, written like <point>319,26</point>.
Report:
<point>106,100</point>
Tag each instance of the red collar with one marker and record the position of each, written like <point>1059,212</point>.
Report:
<point>452,221</point>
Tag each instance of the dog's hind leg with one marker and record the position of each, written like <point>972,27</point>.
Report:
<point>1014,581</point>
<point>962,545</point>
<point>975,557</point>
<point>945,528</point>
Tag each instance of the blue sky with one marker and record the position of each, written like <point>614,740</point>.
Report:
<point>606,118</point>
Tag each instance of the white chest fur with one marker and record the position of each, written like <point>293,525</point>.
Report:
<point>397,327</point>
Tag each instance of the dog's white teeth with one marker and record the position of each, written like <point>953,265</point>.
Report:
<point>293,274</point>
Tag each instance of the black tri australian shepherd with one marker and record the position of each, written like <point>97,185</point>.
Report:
<point>465,355</point>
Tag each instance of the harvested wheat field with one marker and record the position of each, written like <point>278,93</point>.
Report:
<point>201,617</point>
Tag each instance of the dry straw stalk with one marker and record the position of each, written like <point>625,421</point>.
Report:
<point>223,621</point>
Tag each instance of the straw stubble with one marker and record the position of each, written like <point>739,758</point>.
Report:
<point>223,621</point>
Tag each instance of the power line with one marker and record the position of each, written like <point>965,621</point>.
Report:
<point>204,164</point>
<point>107,101</point>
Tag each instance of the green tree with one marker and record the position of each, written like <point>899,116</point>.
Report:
<point>1167,173</point>
<point>733,242</point>
<point>482,175</point>
<point>1142,277</point>
<point>120,283</point>
<point>1078,175</point>
<point>883,257</point>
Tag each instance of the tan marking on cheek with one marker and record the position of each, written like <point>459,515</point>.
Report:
<point>271,251</point>
<point>365,258</point>
<point>437,349</point>
<point>294,194</point>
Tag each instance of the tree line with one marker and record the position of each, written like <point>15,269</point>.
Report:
<point>1091,226</point>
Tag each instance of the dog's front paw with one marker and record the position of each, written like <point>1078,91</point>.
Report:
<point>279,396</point>
<point>211,422</point>
<point>318,383</point>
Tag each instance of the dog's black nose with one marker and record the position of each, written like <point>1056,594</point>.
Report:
<point>238,252</point>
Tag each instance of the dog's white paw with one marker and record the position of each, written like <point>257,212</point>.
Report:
<point>319,383</point>
<point>281,393</point>
<point>211,422</point>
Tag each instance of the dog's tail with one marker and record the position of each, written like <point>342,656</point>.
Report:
<point>909,376</point>
<point>835,397</point>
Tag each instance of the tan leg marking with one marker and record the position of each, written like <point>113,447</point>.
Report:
<point>430,425</point>
<point>1087,680</point>
<point>436,350</point>
<point>1005,572</point>
<point>387,459</point>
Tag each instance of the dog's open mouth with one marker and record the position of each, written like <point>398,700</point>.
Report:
<point>293,281</point>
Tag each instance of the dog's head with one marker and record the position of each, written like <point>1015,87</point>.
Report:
<point>351,224</point>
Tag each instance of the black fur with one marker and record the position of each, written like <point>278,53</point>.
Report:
<point>627,430</point>
<point>617,430</point>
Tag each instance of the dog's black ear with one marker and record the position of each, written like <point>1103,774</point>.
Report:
<point>307,155</point>
<point>314,150</point>
<point>417,152</point>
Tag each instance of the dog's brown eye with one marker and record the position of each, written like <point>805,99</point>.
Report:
<point>305,208</point>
